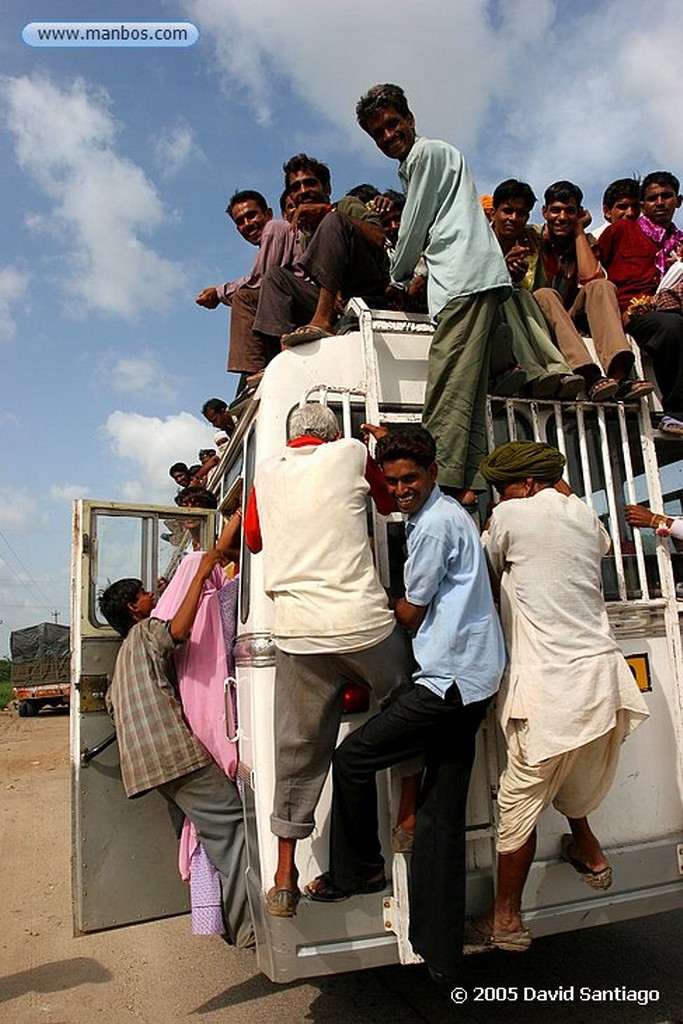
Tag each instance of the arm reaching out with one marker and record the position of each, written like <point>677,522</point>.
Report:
<point>182,621</point>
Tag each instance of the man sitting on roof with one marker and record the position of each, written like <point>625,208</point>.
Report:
<point>620,199</point>
<point>547,374</point>
<point>568,698</point>
<point>637,254</point>
<point>250,352</point>
<point>344,256</point>
<point>570,286</point>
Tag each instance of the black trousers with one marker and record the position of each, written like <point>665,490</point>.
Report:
<point>443,731</point>
<point>336,258</point>
<point>660,335</point>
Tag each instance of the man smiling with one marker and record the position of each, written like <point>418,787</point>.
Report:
<point>458,646</point>
<point>250,352</point>
<point>637,254</point>
<point>443,220</point>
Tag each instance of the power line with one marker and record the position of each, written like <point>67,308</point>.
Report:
<point>29,583</point>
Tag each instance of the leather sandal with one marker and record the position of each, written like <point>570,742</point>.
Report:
<point>282,902</point>
<point>603,389</point>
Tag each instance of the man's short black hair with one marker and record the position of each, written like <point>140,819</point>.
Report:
<point>304,162</point>
<point>379,97</point>
<point>563,192</point>
<point>513,189</point>
<point>660,178</point>
<point>397,198</point>
<point>214,405</point>
<point>243,196</point>
<point>284,196</point>
<point>178,467</point>
<point>622,188</point>
<point>366,193</point>
<point>196,497</point>
<point>409,441</point>
<point>113,603</point>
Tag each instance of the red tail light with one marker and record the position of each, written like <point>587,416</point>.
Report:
<point>355,699</point>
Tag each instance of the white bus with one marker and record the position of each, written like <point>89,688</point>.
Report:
<point>125,852</point>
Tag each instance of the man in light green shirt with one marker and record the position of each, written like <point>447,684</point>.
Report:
<point>443,221</point>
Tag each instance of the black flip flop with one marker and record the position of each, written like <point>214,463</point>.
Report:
<point>331,893</point>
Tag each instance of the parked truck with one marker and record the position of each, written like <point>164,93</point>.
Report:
<point>41,665</point>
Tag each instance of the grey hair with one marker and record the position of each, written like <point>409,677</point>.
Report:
<point>314,419</point>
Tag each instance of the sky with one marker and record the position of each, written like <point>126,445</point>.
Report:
<point>117,164</point>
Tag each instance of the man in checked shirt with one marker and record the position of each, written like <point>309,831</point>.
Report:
<point>157,749</point>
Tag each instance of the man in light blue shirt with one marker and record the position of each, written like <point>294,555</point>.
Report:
<point>458,644</point>
<point>443,221</point>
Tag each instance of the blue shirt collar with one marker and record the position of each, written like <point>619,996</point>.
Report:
<point>412,521</point>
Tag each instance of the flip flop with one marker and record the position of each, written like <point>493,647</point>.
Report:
<point>596,879</point>
<point>303,335</point>
<point>328,892</point>
<point>672,427</point>
<point>632,390</point>
<point>603,390</point>
<point>282,902</point>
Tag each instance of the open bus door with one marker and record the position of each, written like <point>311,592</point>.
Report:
<point>124,852</point>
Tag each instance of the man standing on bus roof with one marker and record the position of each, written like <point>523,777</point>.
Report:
<point>333,625</point>
<point>467,279</point>
<point>460,654</point>
<point>568,699</point>
<point>156,747</point>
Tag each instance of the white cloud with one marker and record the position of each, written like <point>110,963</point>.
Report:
<point>151,445</point>
<point>102,202</point>
<point>538,89</point>
<point>67,492</point>
<point>13,286</point>
<point>19,511</point>
<point>176,147</point>
<point>141,374</point>
<point>8,419</point>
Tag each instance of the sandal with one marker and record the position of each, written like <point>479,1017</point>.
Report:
<point>303,335</point>
<point>327,892</point>
<point>671,426</point>
<point>402,840</point>
<point>596,879</point>
<point>571,385</point>
<point>603,389</point>
<point>282,902</point>
<point>632,389</point>
<point>509,383</point>
<point>478,939</point>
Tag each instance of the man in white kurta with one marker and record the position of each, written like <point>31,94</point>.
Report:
<point>568,699</point>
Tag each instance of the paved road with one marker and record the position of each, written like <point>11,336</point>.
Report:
<point>158,974</point>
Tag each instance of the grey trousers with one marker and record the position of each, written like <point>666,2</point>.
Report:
<point>308,711</point>
<point>211,801</point>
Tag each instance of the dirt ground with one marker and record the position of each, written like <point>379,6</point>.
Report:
<point>158,973</point>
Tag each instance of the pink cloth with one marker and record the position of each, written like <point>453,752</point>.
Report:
<point>201,662</point>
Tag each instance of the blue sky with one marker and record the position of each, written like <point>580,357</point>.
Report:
<point>116,167</point>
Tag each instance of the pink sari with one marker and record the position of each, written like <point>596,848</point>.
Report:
<point>201,663</point>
